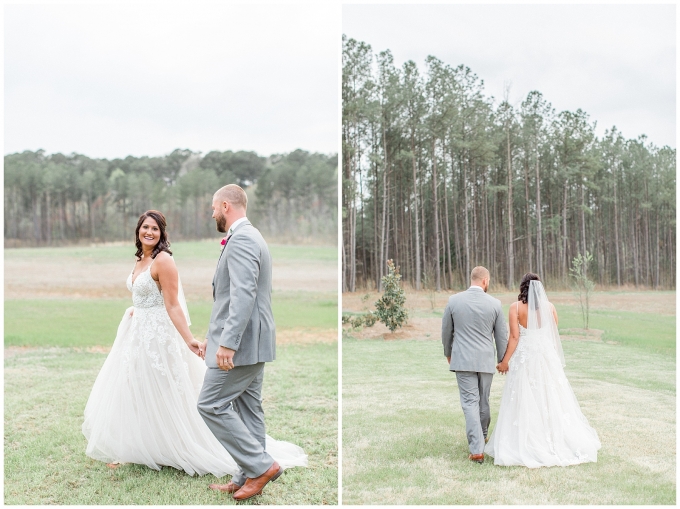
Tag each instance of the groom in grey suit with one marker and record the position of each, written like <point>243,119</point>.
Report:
<point>241,338</point>
<point>472,323</point>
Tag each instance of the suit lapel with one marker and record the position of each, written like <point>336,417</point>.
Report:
<point>238,227</point>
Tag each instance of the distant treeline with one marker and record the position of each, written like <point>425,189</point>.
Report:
<point>62,198</point>
<point>440,178</point>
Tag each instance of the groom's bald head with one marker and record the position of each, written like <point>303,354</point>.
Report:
<point>480,276</point>
<point>232,194</point>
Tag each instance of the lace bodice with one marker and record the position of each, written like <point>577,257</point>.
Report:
<point>145,291</point>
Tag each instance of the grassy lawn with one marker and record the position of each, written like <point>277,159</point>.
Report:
<point>45,461</point>
<point>404,431</point>
<point>48,382</point>
<point>651,332</point>
<point>79,322</point>
<point>642,330</point>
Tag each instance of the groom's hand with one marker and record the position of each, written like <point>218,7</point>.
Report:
<point>502,367</point>
<point>225,358</point>
<point>448,359</point>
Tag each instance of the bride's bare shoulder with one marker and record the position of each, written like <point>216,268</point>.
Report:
<point>164,261</point>
<point>162,256</point>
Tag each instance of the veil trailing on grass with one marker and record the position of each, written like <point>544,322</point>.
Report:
<point>541,317</point>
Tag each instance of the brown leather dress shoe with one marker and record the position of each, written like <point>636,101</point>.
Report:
<point>479,458</point>
<point>254,487</point>
<point>230,487</point>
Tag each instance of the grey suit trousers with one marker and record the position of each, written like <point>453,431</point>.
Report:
<point>230,404</point>
<point>474,388</point>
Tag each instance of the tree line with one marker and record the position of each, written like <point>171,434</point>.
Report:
<point>57,198</point>
<point>441,178</point>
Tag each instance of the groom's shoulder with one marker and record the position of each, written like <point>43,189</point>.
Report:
<point>495,301</point>
<point>252,237</point>
<point>254,234</point>
<point>456,298</point>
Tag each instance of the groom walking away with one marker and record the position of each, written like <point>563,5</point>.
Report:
<point>472,321</point>
<point>240,339</point>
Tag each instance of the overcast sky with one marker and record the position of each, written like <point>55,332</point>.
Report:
<point>616,62</point>
<point>117,80</point>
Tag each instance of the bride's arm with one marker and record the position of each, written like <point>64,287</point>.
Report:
<point>166,272</point>
<point>503,366</point>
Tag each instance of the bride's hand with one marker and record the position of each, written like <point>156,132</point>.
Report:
<point>502,367</point>
<point>195,346</point>
<point>203,347</point>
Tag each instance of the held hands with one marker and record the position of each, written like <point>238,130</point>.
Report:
<point>502,367</point>
<point>197,347</point>
<point>225,358</point>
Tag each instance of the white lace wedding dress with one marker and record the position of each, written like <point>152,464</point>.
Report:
<point>540,423</point>
<point>142,408</point>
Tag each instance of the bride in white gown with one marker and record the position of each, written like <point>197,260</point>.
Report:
<point>540,423</point>
<point>142,408</point>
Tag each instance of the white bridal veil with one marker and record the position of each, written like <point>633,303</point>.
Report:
<point>541,317</point>
<point>182,300</point>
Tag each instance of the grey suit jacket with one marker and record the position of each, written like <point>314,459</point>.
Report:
<point>472,322</point>
<point>242,317</point>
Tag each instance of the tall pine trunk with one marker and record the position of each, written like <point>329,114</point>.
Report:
<point>539,227</point>
<point>436,214</point>
<point>415,208</point>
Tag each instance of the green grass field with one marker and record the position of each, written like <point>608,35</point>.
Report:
<point>404,431</point>
<point>49,373</point>
<point>651,332</point>
<point>46,390</point>
<point>80,322</point>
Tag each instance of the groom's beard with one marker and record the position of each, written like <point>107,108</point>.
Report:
<point>221,223</point>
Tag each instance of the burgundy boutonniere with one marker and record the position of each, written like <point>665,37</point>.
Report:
<point>223,243</point>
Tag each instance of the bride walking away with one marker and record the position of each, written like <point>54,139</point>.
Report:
<point>540,423</point>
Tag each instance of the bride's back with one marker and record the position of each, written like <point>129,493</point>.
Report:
<point>522,313</point>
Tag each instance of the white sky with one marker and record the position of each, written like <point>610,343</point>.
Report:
<point>616,62</point>
<point>132,79</point>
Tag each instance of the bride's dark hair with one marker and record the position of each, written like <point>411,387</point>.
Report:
<point>163,242</point>
<point>524,286</point>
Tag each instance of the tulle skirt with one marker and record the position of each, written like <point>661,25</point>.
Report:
<point>540,423</point>
<point>142,408</point>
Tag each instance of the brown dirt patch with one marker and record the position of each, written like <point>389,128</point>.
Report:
<point>13,351</point>
<point>660,303</point>
<point>428,328</point>
<point>283,337</point>
<point>306,336</point>
<point>425,329</point>
<point>78,279</point>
